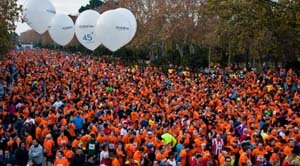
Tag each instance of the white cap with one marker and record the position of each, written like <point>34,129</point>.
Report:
<point>48,136</point>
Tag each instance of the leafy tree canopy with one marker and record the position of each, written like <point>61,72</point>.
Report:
<point>91,5</point>
<point>9,14</point>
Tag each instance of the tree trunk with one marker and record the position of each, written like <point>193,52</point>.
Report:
<point>209,58</point>
<point>151,52</point>
<point>163,49</point>
<point>260,62</point>
<point>285,60</point>
<point>275,63</point>
<point>192,49</point>
<point>180,50</point>
<point>229,59</point>
<point>252,62</point>
<point>247,59</point>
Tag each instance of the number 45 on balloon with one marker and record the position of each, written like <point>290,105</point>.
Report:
<point>88,37</point>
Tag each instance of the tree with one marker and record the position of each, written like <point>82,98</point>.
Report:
<point>92,5</point>
<point>263,30</point>
<point>165,26</point>
<point>9,14</point>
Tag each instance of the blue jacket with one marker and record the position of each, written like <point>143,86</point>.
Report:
<point>36,153</point>
<point>78,121</point>
<point>266,164</point>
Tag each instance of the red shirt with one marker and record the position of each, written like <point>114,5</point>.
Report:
<point>197,163</point>
<point>107,131</point>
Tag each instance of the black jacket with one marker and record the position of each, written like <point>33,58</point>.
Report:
<point>78,160</point>
<point>21,157</point>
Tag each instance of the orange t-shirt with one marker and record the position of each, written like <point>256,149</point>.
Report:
<point>38,133</point>
<point>48,145</point>
<point>61,162</point>
<point>258,155</point>
<point>183,155</point>
<point>75,143</point>
<point>244,160</point>
<point>159,156</point>
<point>101,139</point>
<point>221,159</point>
<point>130,149</point>
<point>115,162</point>
<point>120,155</point>
<point>69,154</point>
<point>28,141</point>
<point>137,156</point>
<point>287,150</point>
<point>62,140</point>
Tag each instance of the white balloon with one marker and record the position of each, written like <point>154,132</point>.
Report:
<point>114,30</point>
<point>130,16</point>
<point>85,29</point>
<point>38,14</point>
<point>62,29</point>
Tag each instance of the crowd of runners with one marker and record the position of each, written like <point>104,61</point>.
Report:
<point>65,109</point>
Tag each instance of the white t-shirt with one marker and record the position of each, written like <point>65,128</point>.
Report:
<point>57,104</point>
<point>30,120</point>
<point>104,155</point>
<point>171,162</point>
<point>123,132</point>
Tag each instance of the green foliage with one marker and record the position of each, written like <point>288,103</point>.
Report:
<point>92,5</point>
<point>5,43</point>
<point>257,29</point>
<point>9,13</point>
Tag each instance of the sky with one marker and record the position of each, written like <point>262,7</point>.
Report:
<point>62,6</point>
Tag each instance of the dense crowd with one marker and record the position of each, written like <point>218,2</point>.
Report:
<point>64,109</point>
